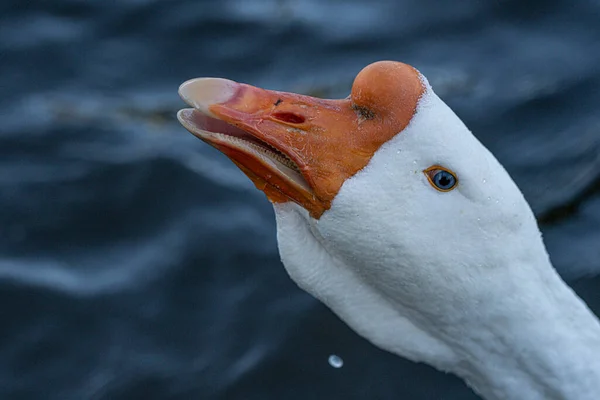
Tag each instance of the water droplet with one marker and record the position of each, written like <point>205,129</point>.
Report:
<point>478,219</point>
<point>414,162</point>
<point>484,181</point>
<point>398,152</point>
<point>335,361</point>
<point>489,198</point>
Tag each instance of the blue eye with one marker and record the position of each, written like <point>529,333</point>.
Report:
<point>444,180</point>
<point>441,178</point>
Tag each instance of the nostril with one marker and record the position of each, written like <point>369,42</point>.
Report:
<point>289,117</point>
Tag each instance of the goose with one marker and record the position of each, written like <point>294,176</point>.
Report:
<point>392,213</point>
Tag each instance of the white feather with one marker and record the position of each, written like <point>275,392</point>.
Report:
<point>459,280</point>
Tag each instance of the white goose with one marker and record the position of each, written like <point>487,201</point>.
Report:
<point>393,214</point>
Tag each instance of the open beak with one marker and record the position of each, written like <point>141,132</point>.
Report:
<point>300,148</point>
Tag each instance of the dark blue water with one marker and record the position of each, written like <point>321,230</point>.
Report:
<point>138,263</point>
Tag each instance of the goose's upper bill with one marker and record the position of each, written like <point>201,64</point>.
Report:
<point>393,214</point>
<point>291,145</point>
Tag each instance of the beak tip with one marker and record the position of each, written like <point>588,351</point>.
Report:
<point>181,114</point>
<point>185,118</point>
<point>201,93</point>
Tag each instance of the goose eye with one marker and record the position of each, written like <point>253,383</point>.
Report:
<point>441,178</point>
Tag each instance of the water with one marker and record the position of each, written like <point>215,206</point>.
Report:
<point>136,262</point>
<point>335,361</point>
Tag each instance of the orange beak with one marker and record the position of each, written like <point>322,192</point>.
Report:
<point>300,148</point>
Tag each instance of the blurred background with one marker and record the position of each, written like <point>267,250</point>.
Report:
<point>138,263</point>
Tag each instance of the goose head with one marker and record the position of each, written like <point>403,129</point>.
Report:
<point>394,215</point>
